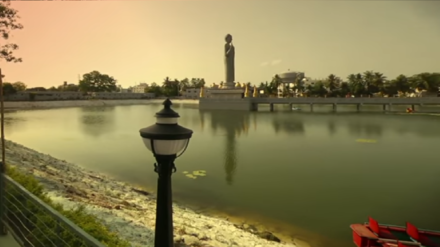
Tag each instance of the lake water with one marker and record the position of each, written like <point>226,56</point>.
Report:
<point>302,174</point>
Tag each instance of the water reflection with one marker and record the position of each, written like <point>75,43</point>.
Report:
<point>365,129</point>
<point>14,123</point>
<point>288,125</point>
<point>96,121</point>
<point>234,124</point>
<point>331,127</point>
<point>202,120</point>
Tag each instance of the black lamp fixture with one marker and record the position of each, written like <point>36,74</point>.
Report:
<point>167,140</point>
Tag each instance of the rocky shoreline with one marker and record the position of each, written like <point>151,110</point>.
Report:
<point>17,105</point>
<point>130,211</point>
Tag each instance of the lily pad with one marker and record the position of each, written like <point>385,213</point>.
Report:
<point>195,174</point>
<point>200,173</point>
<point>191,176</point>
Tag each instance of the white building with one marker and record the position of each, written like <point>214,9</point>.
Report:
<point>192,93</point>
<point>139,88</point>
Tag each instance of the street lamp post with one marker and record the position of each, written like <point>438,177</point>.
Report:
<point>167,140</point>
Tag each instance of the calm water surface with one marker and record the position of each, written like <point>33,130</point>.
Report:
<point>304,173</point>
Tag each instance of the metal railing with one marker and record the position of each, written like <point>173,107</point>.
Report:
<point>34,223</point>
<point>359,100</point>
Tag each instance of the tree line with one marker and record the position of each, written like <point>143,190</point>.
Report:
<point>174,87</point>
<point>99,82</point>
<point>361,84</point>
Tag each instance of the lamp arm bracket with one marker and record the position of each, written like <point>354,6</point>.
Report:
<point>158,167</point>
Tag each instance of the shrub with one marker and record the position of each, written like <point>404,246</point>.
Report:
<point>40,228</point>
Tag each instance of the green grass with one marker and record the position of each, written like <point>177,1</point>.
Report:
<point>40,223</point>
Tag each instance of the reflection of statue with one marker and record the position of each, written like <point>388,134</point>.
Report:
<point>229,61</point>
<point>233,124</point>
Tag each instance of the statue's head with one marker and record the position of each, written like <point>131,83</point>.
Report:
<point>228,38</point>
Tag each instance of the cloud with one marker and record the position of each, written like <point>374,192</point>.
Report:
<point>271,63</point>
<point>275,62</point>
<point>264,64</point>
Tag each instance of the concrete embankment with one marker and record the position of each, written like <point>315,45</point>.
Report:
<point>16,105</point>
<point>130,211</point>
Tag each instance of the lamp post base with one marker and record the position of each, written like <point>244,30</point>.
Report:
<point>164,205</point>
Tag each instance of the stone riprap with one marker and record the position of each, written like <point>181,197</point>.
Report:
<point>127,210</point>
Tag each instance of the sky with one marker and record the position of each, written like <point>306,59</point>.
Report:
<point>146,41</point>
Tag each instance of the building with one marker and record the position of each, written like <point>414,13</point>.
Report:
<point>192,93</point>
<point>139,88</point>
<point>290,80</point>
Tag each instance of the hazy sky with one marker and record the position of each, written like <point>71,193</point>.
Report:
<point>137,41</point>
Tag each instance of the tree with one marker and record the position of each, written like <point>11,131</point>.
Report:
<point>8,89</point>
<point>154,88</point>
<point>400,84</point>
<point>356,82</point>
<point>97,82</point>
<point>8,22</point>
<point>344,89</point>
<point>368,78</point>
<point>332,83</point>
<point>39,89</point>
<point>19,86</point>
<point>299,84</point>
<point>319,89</point>
<point>379,81</point>
<point>69,88</point>
<point>184,83</point>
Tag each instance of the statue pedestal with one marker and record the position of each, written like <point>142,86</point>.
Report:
<point>226,93</point>
<point>229,85</point>
<point>225,99</point>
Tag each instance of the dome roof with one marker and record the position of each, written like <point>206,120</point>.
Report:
<point>291,76</point>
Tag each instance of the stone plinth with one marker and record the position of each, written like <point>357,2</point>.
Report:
<point>229,85</point>
<point>226,93</point>
<point>225,99</point>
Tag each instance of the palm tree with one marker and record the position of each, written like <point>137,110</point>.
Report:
<point>166,82</point>
<point>319,88</point>
<point>275,83</point>
<point>400,84</point>
<point>427,81</point>
<point>332,83</point>
<point>184,83</point>
<point>379,81</point>
<point>344,89</point>
<point>368,79</point>
<point>419,82</point>
<point>356,83</point>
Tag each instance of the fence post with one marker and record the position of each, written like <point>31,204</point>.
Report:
<point>2,200</point>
